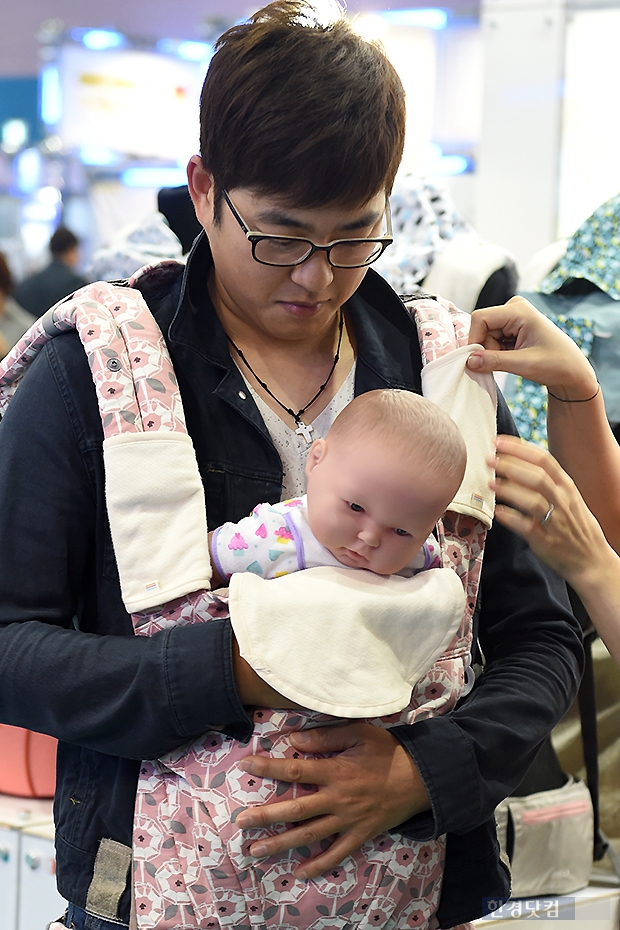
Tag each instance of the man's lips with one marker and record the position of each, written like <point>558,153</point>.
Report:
<point>302,309</point>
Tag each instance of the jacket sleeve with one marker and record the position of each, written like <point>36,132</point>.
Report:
<point>533,651</point>
<point>101,687</point>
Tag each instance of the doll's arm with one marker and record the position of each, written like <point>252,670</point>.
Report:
<point>217,579</point>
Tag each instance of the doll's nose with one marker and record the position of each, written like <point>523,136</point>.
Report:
<point>370,536</point>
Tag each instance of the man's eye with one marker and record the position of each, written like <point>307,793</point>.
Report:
<point>355,507</point>
<point>401,532</point>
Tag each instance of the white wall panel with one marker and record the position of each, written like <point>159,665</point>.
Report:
<point>519,149</point>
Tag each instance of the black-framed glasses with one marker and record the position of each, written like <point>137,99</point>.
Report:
<point>284,251</point>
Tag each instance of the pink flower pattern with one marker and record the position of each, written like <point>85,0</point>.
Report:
<point>192,866</point>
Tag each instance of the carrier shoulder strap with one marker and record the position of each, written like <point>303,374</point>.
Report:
<point>442,328</point>
<point>131,368</point>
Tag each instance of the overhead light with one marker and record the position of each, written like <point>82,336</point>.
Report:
<point>431,18</point>
<point>51,95</point>
<point>153,177</point>
<point>370,26</point>
<point>447,165</point>
<point>451,165</point>
<point>14,135</point>
<point>28,167</point>
<point>187,49</point>
<point>98,155</point>
<point>50,196</point>
<point>98,40</point>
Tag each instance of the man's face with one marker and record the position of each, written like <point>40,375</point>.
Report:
<point>371,507</point>
<point>284,304</point>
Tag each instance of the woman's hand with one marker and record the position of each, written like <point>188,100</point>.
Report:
<point>519,339</point>
<point>530,483</point>
<point>370,786</point>
<point>541,502</point>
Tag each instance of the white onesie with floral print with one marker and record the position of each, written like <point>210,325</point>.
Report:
<point>276,540</point>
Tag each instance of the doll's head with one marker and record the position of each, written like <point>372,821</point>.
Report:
<point>385,473</point>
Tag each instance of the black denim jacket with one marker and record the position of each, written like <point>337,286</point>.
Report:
<point>113,699</point>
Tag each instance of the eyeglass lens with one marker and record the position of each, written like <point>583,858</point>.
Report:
<point>349,253</point>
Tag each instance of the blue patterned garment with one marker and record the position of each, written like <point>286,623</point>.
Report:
<point>528,400</point>
<point>593,253</point>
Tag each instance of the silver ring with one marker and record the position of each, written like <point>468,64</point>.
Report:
<point>548,514</point>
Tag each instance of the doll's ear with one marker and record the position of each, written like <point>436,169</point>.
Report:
<point>318,450</point>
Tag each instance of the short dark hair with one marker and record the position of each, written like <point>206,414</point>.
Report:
<point>63,240</point>
<point>301,108</point>
<point>6,278</point>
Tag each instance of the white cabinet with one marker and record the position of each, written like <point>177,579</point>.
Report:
<point>9,875</point>
<point>15,814</point>
<point>38,900</point>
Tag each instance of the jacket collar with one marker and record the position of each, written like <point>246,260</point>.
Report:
<point>388,352</point>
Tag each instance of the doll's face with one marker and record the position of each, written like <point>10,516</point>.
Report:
<point>371,507</point>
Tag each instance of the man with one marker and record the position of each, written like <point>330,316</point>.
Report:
<point>302,132</point>
<point>45,288</point>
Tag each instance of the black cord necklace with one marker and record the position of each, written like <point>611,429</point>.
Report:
<point>303,429</point>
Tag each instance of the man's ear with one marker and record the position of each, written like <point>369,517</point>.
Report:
<point>318,450</point>
<point>201,190</point>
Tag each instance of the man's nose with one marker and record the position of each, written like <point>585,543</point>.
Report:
<point>314,275</point>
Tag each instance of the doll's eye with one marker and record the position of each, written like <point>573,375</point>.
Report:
<point>401,532</point>
<point>356,507</point>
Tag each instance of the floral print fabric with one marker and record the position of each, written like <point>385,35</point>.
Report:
<point>593,252</point>
<point>528,400</point>
<point>191,862</point>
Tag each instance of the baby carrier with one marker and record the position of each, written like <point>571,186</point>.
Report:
<point>191,864</point>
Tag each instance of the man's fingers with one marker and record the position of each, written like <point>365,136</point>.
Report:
<point>329,739</point>
<point>302,836</point>
<point>342,847</point>
<point>290,811</point>
<point>308,771</point>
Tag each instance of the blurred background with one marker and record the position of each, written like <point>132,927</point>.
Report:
<point>508,103</point>
<point>512,143</point>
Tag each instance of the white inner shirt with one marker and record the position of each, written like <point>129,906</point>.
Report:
<point>293,449</point>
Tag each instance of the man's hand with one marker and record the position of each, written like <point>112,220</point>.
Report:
<point>369,787</point>
<point>251,688</point>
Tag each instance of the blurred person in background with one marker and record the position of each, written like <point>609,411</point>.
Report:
<point>42,290</point>
<point>14,321</point>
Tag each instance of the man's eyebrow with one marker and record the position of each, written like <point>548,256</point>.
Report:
<point>279,218</point>
<point>368,219</point>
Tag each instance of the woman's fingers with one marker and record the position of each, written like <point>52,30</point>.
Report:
<point>527,478</point>
<point>538,500</point>
<point>517,338</point>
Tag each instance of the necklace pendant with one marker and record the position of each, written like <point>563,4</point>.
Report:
<point>303,429</point>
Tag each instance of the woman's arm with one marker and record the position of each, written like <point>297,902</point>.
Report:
<point>519,339</point>
<point>529,482</point>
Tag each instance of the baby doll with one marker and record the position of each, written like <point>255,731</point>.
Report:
<point>385,473</point>
<point>377,484</point>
